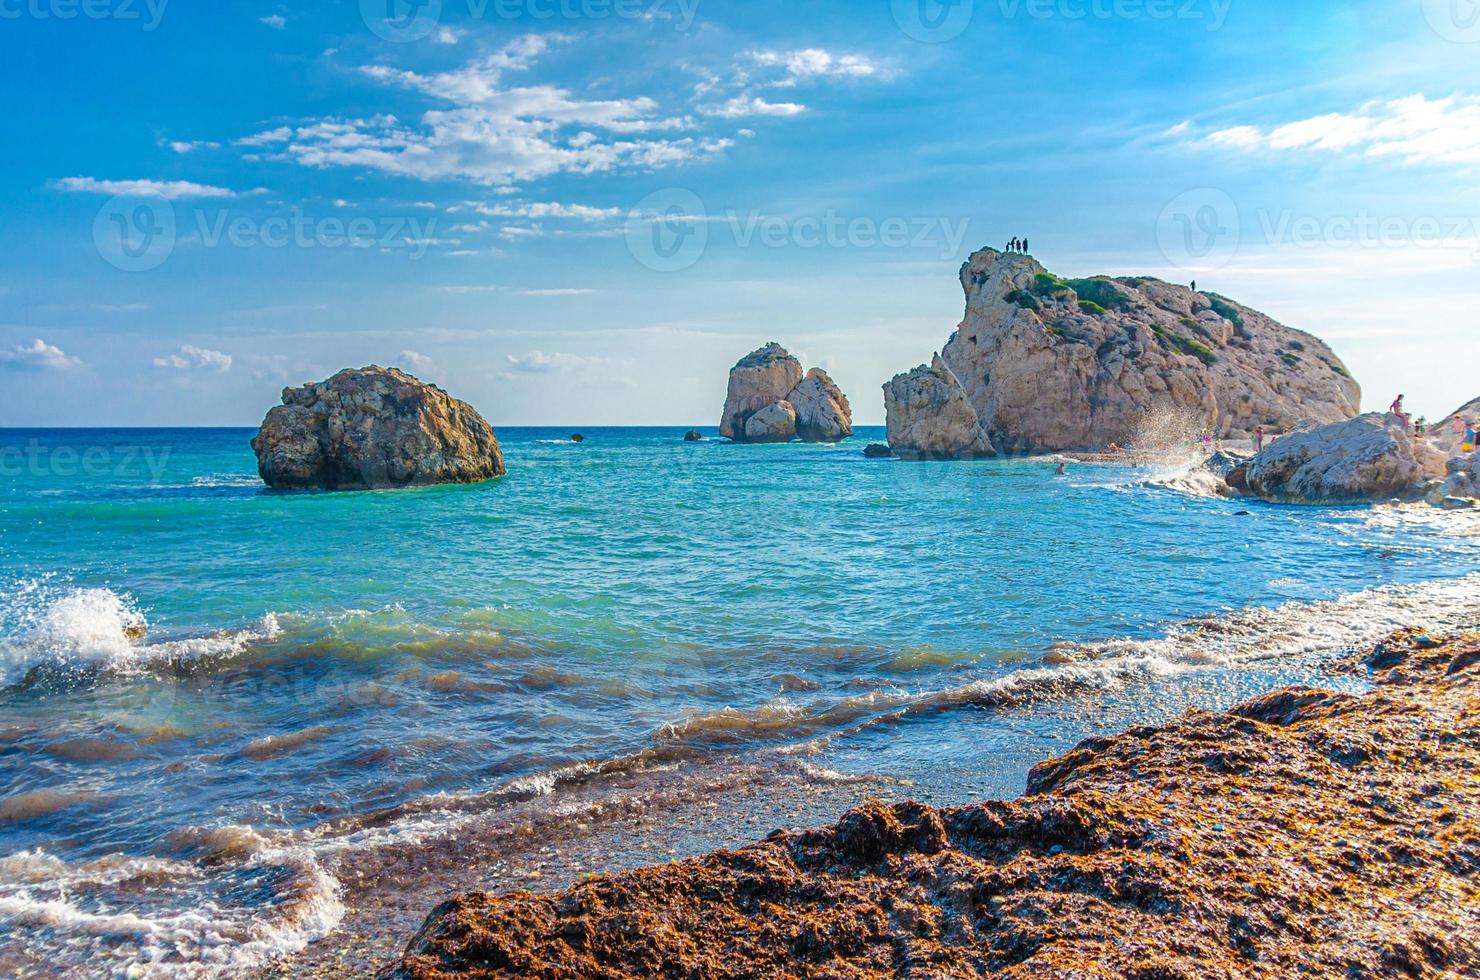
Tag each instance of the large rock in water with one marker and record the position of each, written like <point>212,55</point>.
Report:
<point>767,386</point>
<point>374,428</point>
<point>1366,459</point>
<point>1050,364</point>
<point>930,417</point>
<point>823,412</point>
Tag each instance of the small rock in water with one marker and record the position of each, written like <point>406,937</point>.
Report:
<point>878,451</point>
<point>577,438</point>
<point>692,436</point>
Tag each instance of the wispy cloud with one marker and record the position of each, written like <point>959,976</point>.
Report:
<point>191,357</point>
<point>416,360</point>
<point>37,356</point>
<point>819,63</point>
<point>558,292</point>
<point>170,190</point>
<point>276,21</point>
<point>1412,130</point>
<point>744,107</point>
<point>538,362</point>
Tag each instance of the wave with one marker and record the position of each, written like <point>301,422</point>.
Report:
<point>51,630</point>
<point>1248,637</point>
<point>167,915</point>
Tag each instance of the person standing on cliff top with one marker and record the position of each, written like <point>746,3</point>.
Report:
<point>1259,439</point>
<point>1025,246</point>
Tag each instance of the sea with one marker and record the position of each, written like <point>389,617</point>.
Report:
<point>238,726</point>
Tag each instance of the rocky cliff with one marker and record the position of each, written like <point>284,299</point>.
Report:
<point>373,428</point>
<point>1051,364</point>
<point>769,400</point>
<point>929,416</point>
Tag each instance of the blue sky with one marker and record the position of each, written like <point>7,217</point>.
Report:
<point>582,212</point>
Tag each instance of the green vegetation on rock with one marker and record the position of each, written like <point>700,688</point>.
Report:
<point>1175,341</point>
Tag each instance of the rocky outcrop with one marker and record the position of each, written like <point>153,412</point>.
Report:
<point>930,417</point>
<point>1366,459</point>
<point>777,422</point>
<point>823,412</point>
<point>693,435</point>
<point>1051,364</point>
<point>1461,478</point>
<point>1306,833</point>
<point>373,428</point>
<point>767,385</point>
<point>1442,435</point>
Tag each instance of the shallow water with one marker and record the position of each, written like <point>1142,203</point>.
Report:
<point>218,698</point>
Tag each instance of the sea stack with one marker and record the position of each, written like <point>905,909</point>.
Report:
<point>374,428</point>
<point>769,400</point>
<point>930,417</point>
<point>1051,364</point>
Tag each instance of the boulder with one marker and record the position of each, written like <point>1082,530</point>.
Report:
<point>693,435</point>
<point>374,428</point>
<point>1051,364</point>
<point>577,438</point>
<point>1366,459</point>
<point>776,422</point>
<point>1442,435</point>
<point>1462,477</point>
<point>761,379</point>
<point>766,378</point>
<point>878,451</point>
<point>930,417</point>
<point>823,412</point>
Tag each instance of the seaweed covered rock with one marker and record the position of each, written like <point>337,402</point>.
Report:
<point>769,384</point>
<point>1050,364</point>
<point>1304,833</point>
<point>373,428</point>
<point>1366,459</point>
<point>929,416</point>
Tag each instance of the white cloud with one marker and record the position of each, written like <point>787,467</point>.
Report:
<point>192,357</point>
<point>170,190</point>
<point>1413,130</point>
<point>190,146</point>
<point>818,63</point>
<point>743,107</point>
<point>538,362</point>
<point>448,35</point>
<point>558,292</point>
<point>276,21</point>
<point>493,133</point>
<point>415,360</point>
<point>579,212</point>
<point>37,356</point>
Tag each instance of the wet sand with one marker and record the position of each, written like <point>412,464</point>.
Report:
<point>1303,832</point>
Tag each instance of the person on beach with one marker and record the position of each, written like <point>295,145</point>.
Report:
<point>1259,439</point>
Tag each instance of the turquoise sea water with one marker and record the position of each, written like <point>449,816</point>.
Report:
<point>206,683</point>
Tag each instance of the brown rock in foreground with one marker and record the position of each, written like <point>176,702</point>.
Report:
<point>1305,832</point>
<point>374,428</point>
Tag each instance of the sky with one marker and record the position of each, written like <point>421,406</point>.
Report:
<point>583,212</point>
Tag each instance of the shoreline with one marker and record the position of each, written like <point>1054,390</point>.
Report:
<point>1219,844</point>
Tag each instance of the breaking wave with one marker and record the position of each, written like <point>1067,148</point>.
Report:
<point>48,628</point>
